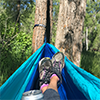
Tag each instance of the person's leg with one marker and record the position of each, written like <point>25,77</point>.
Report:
<point>46,71</point>
<point>44,89</point>
<point>48,88</point>
<point>52,85</point>
<point>51,91</point>
<point>45,65</point>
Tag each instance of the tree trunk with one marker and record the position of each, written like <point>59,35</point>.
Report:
<point>43,15</point>
<point>51,18</point>
<point>70,27</point>
<point>18,15</point>
<point>86,39</point>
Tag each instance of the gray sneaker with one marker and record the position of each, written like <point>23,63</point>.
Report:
<point>58,65</point>
<point>45,65</point>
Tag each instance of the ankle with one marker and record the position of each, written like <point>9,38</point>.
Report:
<point>56,78</point>
<point>44,89</point>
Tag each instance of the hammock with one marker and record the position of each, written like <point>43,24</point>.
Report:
<point>76,82</point>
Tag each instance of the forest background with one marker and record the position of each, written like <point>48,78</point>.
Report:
<point>16,30</point>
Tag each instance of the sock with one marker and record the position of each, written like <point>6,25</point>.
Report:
<point>53,76</point>
<point>43,86</point>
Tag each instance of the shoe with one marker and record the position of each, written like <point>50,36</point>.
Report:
<point>58,65</point>
<point>45,66</point>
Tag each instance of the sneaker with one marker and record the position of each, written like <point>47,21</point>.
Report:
<point>45,66</point>
<point>58,65</point>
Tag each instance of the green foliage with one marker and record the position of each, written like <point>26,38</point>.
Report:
<point>56,4</point>
<point>13,55</point>
<point>96,43</point>
<point>12,10</point>
<point>90,61</point>
<point>27,26</point>
<point>92,22</point>
<point>15,46</point>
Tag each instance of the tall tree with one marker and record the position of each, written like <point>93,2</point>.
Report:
<point>51,19</point>
<point>14,12</point>
<point>40,18</point>
<point>43,15</point>
<point>86,39</point>
<point>70,27</point>
<point>55,18</point>
<point>18,15</point>
<point>92,21</point>
<point>18,11</point>
<point>14,48</point>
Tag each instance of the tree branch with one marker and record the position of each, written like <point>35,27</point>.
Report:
<point>9,40</point>
<point>12,33</point>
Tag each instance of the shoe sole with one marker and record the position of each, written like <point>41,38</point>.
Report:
<point>43,59</point>
<point>59,56</point>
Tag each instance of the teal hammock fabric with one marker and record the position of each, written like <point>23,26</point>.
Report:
<point>76,82</point>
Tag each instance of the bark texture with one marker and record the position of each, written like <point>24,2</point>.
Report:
<point>43,15</point>
<point>86,39</point>
<point>51,18</point>
<point>40,18</point>
<point>70,27</point>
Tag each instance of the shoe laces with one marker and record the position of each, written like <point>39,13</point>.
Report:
<point>57,65</point>
<point>46,70</point>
